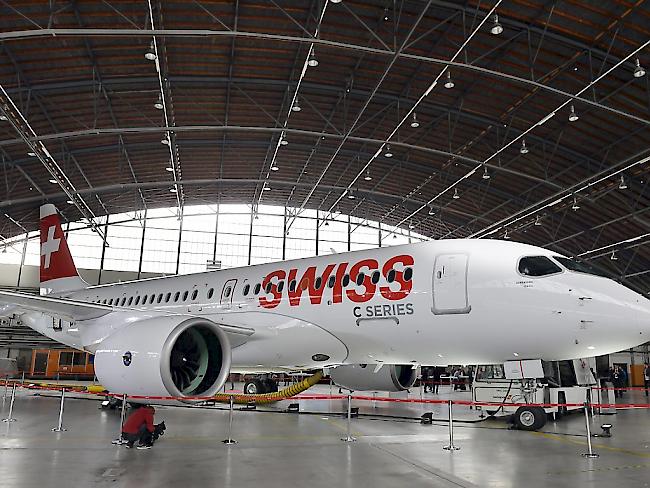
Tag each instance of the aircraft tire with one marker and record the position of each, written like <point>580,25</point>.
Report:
<point>254,387</point>
<point>530,418</point>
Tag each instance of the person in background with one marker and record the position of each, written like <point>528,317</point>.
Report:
<point>615,378</point>
<point>138,427</point>
<point>425,378</point>
<point>436,379</point>
<point>646,377</point>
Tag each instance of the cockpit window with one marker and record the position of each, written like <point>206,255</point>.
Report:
<point>572,265</point>
<point>538,266</point>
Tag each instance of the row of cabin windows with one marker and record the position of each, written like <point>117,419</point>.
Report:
<point>318,283</point>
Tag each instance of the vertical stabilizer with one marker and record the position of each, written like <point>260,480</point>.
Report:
<point>58,272</point>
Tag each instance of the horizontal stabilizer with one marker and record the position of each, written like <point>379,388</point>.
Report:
<point>71,310</point>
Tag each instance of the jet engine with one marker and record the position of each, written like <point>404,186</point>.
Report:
<point>175,356</point>
<point>361,377</point>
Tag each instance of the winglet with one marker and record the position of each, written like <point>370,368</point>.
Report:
<point>58,272</point>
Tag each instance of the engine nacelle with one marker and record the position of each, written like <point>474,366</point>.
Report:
<point>361,377</point>
<point>175,356</point>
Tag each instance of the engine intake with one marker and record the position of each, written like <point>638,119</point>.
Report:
<point>165,356</point>
<point>361,377</point>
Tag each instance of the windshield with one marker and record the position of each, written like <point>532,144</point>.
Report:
<point>537,266</point>
<point>579,267</point>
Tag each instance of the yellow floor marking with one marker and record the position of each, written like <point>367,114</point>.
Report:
<point>596,447</point>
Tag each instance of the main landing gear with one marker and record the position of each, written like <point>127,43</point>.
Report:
<point>260,384</point>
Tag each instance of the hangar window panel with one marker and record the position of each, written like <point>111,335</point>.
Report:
<point>12,253</point>
<point>232,250</point>
<point>268,225</point>
<point>161,244</point>
<point>125,241</point>
<point>296,248</point>
<point>33,253</point>
<point>266,249</point>
<point>85,245</point>
<point>197,242</point>
<point>334,235</point>
<point>364,232</point>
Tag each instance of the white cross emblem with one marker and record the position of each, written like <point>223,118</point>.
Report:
<point>51,245</point>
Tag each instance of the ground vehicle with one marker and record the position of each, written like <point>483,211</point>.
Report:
<point>562,382</point>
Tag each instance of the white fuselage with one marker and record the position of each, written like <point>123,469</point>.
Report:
<point>465,302</point>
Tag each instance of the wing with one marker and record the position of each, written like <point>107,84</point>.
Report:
<point>69,309</point>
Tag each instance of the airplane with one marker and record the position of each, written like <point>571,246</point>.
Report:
<point>368,317</point>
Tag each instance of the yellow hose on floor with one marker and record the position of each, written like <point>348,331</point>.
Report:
<point>265,398</point>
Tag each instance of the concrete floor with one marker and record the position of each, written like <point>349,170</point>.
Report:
<point>276,449</point>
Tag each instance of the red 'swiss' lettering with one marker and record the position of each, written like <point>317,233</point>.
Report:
<point>308,282</point>
<point>334,277</point>
<point>277,295</point>
<point>367,284</point>
<point>404,285</point>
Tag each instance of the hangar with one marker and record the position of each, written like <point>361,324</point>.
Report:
<point>178,137</point>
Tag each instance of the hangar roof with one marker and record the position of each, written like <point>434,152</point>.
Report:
<point>79,95</point>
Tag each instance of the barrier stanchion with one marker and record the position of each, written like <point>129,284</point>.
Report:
<point>11,406</point>
<point>374,399</point>
<point>230,440</point>
<point>122,415</point>
<point>591,453</point>
<point>348,437</point>
<point>59,427</point>
<point>451,446</point>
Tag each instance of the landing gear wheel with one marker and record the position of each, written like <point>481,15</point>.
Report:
<point>530,418</point>
<point>254,387</point>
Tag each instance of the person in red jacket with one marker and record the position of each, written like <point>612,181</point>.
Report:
<point>138,427</point>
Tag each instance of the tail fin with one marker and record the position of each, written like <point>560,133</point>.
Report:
<point>58,272</point>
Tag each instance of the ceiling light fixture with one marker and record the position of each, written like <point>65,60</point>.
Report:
<point>283,141</point>
<point>296,106</point>
<point>367,177</point>
<point>414,123</point>
<point>386,16</point>
<point>351,195</point>
<point>523,149</point>
<point>538,222</point>
<point>69,202</point>
<point>313,62</point>
<point>505,235</point>
<point>614,257</point>
<point>449,83</point>
<point>486,175</point>
<point>275,167</point>
<point>456,195</point>
<point>169,168</point>
<point>573,116</point>
<point>327,223</point>
<point>150,54</point>
<point>431,210</point>
<point>335,1</point>
<point>173,190</point>
<point>165,141</point>
<point>639,71</point>
<point>411,226</point>
<point>159,103</point>
<point>53,181</point>
<point>3,117</point>
<point>388,153</point>
<point>622,185</point>
<point>266,188</point>
<point>31,154</point>
<point>497,28</point>
<point>575,205</point>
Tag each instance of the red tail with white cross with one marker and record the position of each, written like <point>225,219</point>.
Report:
<point>58,272</point>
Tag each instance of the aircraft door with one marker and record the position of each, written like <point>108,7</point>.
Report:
<point>227,293</point>
<point>450,284</point>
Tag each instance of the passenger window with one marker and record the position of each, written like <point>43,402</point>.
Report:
<point>195,293</point>
<point>160,297</point>
<point>130,301</point>
<point>210,293</point>
<point>390,277</point>
<point>168,297</point>
<point>292,286</point>
<point>144,300</point>
<point>152,298</point>
<point>374,279</point>
<point>185,295</point>
<point>104,301</point>
<point>346,280</point>
<point>280,286</point>
<point>318,283</point>
<point>360,278</point>
<point>331,282</point>
<point>227,292</point>
<point>110,302</point>
<point>258,287</point>
<point>268,287</point>
<point>123,301</point>
<point>177,296</point>
<point>537,266</point>
<point>247,288</point>
<point>408,274</point>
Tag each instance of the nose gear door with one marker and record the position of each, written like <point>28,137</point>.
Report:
<point>450,284</point>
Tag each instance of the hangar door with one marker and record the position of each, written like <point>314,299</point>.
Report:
<point>450,284</point>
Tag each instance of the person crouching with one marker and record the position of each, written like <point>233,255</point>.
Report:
<point>138,427</point>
